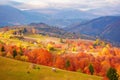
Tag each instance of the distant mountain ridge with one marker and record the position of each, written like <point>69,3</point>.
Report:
<point>112,32</point>
<point>61,18</point>
<point>11,16</point>
<point>95,26</point>
<point>107,27</point>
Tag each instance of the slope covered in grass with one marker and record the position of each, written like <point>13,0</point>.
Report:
<point>16,70</point>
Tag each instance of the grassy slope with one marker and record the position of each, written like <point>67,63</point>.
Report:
<point>16,70</point>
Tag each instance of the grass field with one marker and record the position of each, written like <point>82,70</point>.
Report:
<point>17,70</point>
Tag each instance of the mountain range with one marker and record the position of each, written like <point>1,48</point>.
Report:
<point>58,17</point>
<point>13,16</point>
<point>71,20</point>
<point>107,28</point>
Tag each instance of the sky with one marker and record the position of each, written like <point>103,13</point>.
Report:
<point>95,6</point>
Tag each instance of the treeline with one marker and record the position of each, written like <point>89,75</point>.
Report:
<point>105,64</point>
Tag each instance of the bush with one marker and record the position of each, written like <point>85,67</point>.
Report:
<point>3,54</point>
<point>2,49</point>
<point>24,58</point>
<point>18,57</point>
<point>9,55</point>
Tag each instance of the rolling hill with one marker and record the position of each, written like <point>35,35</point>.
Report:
<point>17,70</point>
<point>46,29</point>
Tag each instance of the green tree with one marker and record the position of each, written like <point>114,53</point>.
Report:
<point>96,43</point>
<point>91,69</point>
<point>24,30</point>
<point>112,74</point>
<point>74,49</point>
<point>67,64</point>
<point>14,53</point>
<point>61,40</point>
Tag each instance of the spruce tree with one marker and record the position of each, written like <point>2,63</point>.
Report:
<point>67,64</point>
<point>112,74</point>
<point>14,53</point>
<point>91,69</point>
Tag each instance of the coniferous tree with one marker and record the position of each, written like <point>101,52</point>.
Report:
<point>14,53</point>
<point>91,69</point>
<point>67,64</point>
<point>112,74</point>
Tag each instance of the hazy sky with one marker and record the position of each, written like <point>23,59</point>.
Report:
<point>102,6</point>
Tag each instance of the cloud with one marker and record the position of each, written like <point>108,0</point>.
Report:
<point>104,6</point>
<point>15,3</point>
<point>32,4</point>
<point>10,2</point>
<point>3,2</point>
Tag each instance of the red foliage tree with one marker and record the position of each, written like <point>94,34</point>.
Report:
<point>60,62</point>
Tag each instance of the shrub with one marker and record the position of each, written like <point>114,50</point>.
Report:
<point>24,58</point>
<point>2,49</point>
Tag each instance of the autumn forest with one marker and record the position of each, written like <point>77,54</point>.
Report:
<point>85,56</point>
